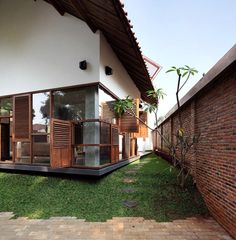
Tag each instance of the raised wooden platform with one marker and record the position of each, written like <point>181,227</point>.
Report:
<point>69,171</point>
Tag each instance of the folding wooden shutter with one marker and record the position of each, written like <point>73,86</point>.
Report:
<point>126,146</point>
<point>129,123</point>
<point>143,130</point>
<point>115,144</point>
<point>61,143</point>
<point>22,118</point>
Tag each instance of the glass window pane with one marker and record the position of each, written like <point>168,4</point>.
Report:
<point>6,105</point>
<point>105,137</point>
<point>105,155</point>
<point>41,149</point>
<point>41,112</point>
<point>91,132</point>
<point>41,128</point>
<point>106,107</point>
<point>22,152</point>
<point>115,136</point>
<point>86,156</point>
<point>76,104</point>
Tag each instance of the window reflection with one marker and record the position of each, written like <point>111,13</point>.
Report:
<point>6,107</point>
<point>69,104</point>
<point>106,107</point>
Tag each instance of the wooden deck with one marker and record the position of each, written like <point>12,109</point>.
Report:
<point>70,171</point>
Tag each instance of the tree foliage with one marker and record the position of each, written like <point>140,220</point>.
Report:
<point>6,104</point>
<point>183,142</point>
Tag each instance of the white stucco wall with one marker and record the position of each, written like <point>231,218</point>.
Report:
<point>119,82</point>
<point>40,49</point>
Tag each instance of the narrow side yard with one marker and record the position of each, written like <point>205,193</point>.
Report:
<point>146,188</point>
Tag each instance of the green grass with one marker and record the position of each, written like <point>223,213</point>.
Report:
<point>157,194</point>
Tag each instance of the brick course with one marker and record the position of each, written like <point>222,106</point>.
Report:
<point>212,113</point>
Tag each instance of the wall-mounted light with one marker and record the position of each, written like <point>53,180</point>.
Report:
<point>108,70</point>
<point>83,65</point>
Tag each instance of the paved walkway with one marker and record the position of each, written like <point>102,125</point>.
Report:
<point>68,228</point>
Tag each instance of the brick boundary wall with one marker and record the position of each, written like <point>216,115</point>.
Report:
<point>209,108</point>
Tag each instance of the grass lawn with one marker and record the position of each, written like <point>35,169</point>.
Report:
<point>157,194</point>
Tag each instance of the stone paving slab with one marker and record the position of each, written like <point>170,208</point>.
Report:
<point>129,180</point>
<point>118,228</point>
<point>130,203</point>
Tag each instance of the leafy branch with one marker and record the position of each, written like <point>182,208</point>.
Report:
<point>183,142</point>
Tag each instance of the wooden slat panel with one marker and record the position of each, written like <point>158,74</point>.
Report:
<point>105,15</point>
<point>22,117</point>
<point>106,4</point>
<point>126,146</point>
<point>132,147</point>
<point>66,157</point>
<point>129,123</point>
<point>115,144</point>
<point>56,159</point>
<point>114,154</point>
<point>143,130</point>
<point>115,136</point>
<point>61,143</point>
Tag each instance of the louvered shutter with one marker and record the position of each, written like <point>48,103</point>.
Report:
<point>61,143</point>
<point>115,145</point>
<point>126,146</point>
<point>129,123</point>
<point>22,118</point>
<point>143,130</point>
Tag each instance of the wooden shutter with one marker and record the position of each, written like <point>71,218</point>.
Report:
<point>61,143</point>
<point>115,144</point>
<point>143,130</point>
<point>22,118</point>
<point>126,146</point>
<point>129,123</point>
<point>132,147</point>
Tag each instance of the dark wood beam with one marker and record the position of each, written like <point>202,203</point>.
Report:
<point>116,40</point>
<point>102,10</point>
<point>80,6</point>
<point>128,58</point>
<point>105,4</point>
<point>57,6</point>
<point>118,29</point>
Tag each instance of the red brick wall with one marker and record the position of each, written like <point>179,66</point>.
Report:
<point>212,113</point>
<point>166,131</point>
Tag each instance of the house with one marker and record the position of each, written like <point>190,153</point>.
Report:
<point>63,64</point>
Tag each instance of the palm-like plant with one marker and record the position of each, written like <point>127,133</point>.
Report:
<point>183,73</point>
<point>123,105</point>
<point>183,142</point>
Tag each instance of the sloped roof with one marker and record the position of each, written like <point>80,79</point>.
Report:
<point>109,17</point>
